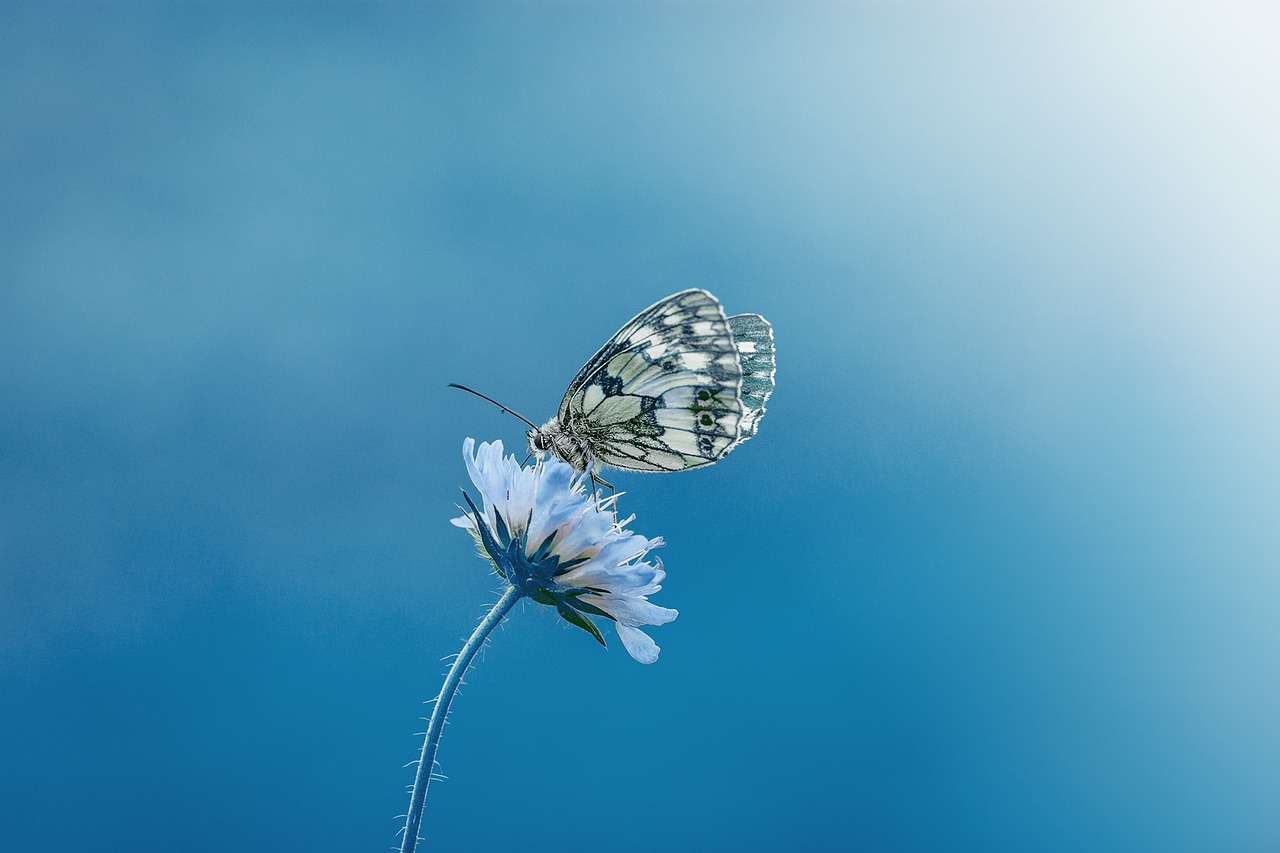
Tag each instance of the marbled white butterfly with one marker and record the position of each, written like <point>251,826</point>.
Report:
<point>678,386</point>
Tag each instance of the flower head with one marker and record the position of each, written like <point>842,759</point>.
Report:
<point>562,546</point>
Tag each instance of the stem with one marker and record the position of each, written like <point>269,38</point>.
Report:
<point>426,764</point>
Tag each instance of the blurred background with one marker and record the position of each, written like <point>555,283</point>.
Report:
<point>1000,571</point>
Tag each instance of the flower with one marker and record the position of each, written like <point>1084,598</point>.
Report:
<point>563,546</point>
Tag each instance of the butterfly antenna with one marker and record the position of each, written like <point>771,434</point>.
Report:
<point>495,402</point>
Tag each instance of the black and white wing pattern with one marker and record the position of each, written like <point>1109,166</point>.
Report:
<point>753,338</point>
<point>663,394</point>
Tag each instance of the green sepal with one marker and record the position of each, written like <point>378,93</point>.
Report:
<point>561,568</point>
<point>573,617</point>
<point>487,543</point>
<point>544,548</point>
<point>578,604</point>
<point>541,596</point>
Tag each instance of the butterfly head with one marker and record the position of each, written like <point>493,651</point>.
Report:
<point>539,441</point>
<point>572,447</point>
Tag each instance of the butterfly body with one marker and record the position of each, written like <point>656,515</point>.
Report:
<point>677,387</point>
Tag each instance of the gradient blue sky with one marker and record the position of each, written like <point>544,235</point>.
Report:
<point>1000,571</point>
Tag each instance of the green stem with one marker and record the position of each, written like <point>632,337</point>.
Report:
<point>426,764</point>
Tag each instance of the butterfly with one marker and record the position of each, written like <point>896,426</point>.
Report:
<point>677,387</point>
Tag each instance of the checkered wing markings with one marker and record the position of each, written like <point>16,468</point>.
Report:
<point>662,394</point>
<point>753,338</point>
<point>638,333</point>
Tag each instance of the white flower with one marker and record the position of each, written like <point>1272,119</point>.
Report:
<point>562,546</point>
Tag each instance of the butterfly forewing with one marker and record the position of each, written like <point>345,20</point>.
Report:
<point>663,394</point>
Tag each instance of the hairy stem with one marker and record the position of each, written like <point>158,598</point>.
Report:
<point>426,764</point>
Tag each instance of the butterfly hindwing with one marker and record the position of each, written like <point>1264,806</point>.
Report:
<point>753,337</point>
<point>663,394</point>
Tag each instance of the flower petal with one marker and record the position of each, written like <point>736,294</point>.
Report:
<point>638,644</point>
<point>632,610</point>
<point>541,520</point>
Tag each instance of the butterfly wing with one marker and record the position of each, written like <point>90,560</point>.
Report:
<point>753,338</point>
<point>663,393</point>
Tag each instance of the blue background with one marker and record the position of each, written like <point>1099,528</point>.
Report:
<point>999,572</point>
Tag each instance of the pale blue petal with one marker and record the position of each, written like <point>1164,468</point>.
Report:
<point>549,504</point>
<point>638,644</point>
<point>486,468</point>
<point>632,611</point>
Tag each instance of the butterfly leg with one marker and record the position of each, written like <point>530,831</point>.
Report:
<point>600,481</point>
